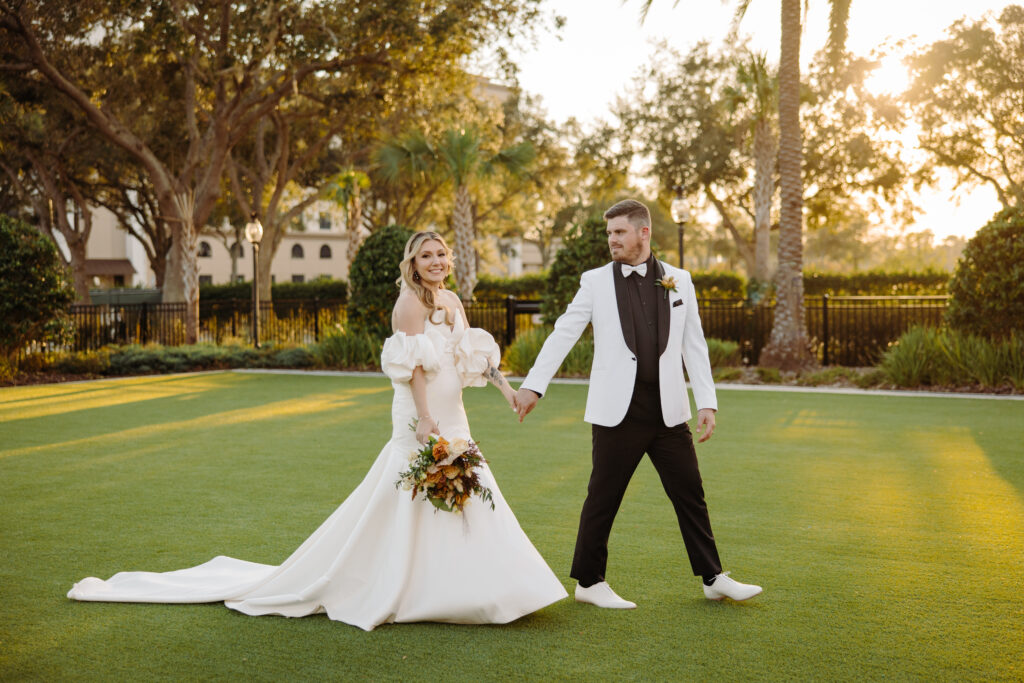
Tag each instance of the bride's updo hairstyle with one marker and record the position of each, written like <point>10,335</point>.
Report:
<point>410,279</point>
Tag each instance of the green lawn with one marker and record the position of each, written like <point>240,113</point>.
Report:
<point>888,533</point>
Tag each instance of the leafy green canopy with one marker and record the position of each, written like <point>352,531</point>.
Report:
<point>372,280</point>
<point>584,249</point>
<point>34,288</point>
<point>988,286</point>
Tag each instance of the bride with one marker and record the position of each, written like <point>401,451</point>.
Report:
<point>382,556</point>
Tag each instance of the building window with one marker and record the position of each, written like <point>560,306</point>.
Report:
<point>325,221</point>
<point>204,250</point>
<point>298,278</point>
<point>206,279</point>
<point>325,251</point>
<point>239,278</point>
<point>237,250</point>
<point>297,251</point>
<point>119,280</point>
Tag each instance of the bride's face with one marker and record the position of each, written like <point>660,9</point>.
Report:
<point>431,263</point>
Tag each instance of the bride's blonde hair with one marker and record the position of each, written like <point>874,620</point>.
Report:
<point>411,279</point>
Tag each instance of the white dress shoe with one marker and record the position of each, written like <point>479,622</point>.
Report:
<point>602,595</point>
<point>724,587</point>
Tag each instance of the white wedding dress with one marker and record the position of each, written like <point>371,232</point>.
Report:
<point>381,556</point>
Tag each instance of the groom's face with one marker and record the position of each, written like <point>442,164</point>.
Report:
<point>626,241</point>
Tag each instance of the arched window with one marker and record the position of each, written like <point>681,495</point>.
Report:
<point>204,250</point>
<point>325,251</point>
<point>297,251</point>
<point>237,250</point>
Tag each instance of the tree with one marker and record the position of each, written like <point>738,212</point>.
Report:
<point>966,94</point>
<point>372,278</point>
<point>34,289</point>
<point>988,286</point>
<point>47,161</point>
<point>585,248</point>
<point>456,158</point>
<point>217,68</point>
<point>757,88</point>
<point>789,347</point>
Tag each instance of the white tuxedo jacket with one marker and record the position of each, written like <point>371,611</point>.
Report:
<point>681,340</point>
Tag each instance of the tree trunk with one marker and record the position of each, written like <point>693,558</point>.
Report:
<point>354,226</point>
<point>465,254</point>
<point>764,188</point>
<point>789,346</point>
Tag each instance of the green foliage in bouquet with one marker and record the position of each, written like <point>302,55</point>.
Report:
<point>445,472</point>
<point>988,286</point>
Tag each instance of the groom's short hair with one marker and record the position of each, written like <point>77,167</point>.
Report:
<point>635,212</point>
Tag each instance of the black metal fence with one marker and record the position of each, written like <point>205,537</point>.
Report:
<point>847,330</point>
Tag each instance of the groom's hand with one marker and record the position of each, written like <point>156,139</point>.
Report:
<point>525,401</point>
<point>705,424</point>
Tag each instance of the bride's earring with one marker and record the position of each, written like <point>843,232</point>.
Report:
<point>416,275</point>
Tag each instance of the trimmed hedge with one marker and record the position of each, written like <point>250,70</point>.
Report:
<point>321,288</point>
<point>876,283</point>
<point>527,286</point>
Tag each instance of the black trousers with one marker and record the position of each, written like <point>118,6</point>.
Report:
<point>616,453</point>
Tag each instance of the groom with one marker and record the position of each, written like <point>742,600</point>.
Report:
<point>646,326</point>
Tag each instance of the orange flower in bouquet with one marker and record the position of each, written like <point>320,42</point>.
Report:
<point>446,474</point>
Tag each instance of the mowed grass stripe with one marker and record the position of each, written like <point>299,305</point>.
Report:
<point>887,531</point>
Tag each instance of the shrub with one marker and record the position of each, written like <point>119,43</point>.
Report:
<point>988,286</point>
<point>351,350</point>
<point>320,288</point>
<point>718,285</point>
<point>586,247</point>
<point>928,357</point>
<point>526,286</point>
<point>34,290</point>
<point>372,280</point>
<point>522,353</point>
<point>724,353</point>
<point>876,283</point>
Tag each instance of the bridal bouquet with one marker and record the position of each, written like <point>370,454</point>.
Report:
<point>445,473</point>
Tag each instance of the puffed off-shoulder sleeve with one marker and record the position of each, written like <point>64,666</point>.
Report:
<point>402,353</point>
<point>474,351</point>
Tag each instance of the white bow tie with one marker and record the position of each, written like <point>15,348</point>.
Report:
<point>640,270</point>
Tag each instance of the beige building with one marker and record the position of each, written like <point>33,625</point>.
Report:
<point>315,246</point>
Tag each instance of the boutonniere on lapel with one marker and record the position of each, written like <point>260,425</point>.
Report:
<point>668,283</point>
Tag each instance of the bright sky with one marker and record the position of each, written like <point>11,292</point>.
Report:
<point>603,45</point>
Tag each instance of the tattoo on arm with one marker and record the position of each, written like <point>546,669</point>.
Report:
<point>494,375</point>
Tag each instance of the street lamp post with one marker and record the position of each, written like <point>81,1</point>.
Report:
<point>680,215</point>
<point>254,233</point>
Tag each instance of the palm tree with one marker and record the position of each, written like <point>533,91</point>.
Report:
<point>758,89</point>
<point>789,347</point>
<point>459,156</point>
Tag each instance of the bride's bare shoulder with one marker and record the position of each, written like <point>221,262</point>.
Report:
<point>409,314</point>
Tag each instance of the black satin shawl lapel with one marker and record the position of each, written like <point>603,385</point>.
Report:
<point>664,311</point>
<point>622,300</point>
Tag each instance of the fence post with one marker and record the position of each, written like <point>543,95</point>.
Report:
<point>145,322</point>
<point>316,318</point>
<point>510,320</point>
<point>824,327</point>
